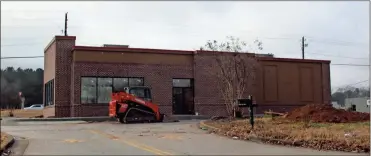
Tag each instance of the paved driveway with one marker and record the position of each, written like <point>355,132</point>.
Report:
<point>110,138</point>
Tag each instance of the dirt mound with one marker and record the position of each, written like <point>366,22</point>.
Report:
<point>326,113</point>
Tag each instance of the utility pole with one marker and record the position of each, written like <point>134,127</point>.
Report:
<point>65,24</point>
<point>303,45</point>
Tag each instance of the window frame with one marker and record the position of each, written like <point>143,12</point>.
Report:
<point>112,87</point>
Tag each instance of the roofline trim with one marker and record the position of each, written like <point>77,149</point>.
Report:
<point>293,60</point>
<point>142,50</point>
<point>187,52</point>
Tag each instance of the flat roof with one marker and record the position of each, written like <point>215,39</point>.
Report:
<point>169,51</point>
<point>185,52</point>
<point>139,50</point>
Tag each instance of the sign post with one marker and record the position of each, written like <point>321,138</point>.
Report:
<point>248,103</point>
<point>22,99</point>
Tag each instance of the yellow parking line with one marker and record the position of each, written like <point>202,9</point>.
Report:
<point>155,149</point>
<point>137,145</point>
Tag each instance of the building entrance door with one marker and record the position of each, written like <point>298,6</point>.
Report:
<point>183,97</point>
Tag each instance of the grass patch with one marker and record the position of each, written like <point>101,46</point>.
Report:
<point>22,113</point>
<point>5,139</point>
<point>349,137</point>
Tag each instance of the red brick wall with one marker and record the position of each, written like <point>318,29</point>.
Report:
<point>63,75</point>
<point>208,98</point>
<point>158,77</point>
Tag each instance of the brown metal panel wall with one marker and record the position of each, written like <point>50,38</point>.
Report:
<point>326,83</point>
<point>318,80</point>
<point>290,83</point>
<point>306,77</point>
<point>270,83</point>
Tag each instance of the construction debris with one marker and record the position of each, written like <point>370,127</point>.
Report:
<point>326,113</point>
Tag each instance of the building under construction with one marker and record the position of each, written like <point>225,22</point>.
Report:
<point>79,80</point>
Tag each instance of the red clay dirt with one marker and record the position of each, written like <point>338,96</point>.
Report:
<point>326,113</point>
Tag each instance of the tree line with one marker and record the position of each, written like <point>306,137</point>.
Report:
<point>28,81</point>
<point>349,92</point>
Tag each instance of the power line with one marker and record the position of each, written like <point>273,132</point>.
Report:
<point>316,39</point>
<point>27,44</point>
<point>22,57</point>
<point>336,56</point>
<point>349,44</point>
<point>352,84</point>
<point>367,65</point>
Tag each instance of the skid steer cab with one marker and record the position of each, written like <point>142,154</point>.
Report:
<point>134,104</point>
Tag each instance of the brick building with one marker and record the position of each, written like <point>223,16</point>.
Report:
<point>79,79</point>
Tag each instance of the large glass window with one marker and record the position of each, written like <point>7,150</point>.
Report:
<point>99,90</point>
<point>52,95</point>
<point>141,92</point>
<point>88,90</point>
<point>46,94</point>
<point>136,82</point>
<point>119,84</point>
<point>49,93</point>
<point>104,90</point>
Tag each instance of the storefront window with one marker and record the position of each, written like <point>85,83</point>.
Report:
<point>119,84</point>
<point>99,90</point>
<point>49,93</point>
<point>136,82</point>
<point>88,90</point>
<point>104,90</point>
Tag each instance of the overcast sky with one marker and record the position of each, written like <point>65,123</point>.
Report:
<point>336,31</point>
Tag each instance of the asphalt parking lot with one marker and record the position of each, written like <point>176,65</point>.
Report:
<point>111,138</point>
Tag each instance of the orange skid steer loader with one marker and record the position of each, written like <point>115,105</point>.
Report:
<point>134,104</point>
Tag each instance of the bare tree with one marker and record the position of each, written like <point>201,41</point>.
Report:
<point>234,69</point>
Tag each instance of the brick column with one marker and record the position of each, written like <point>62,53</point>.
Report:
<point>64,45</point>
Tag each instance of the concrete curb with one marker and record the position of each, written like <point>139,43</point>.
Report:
<point>103,118</point>
<point>203,125</point>
<point>250,138</point>
<point>19,147</point>
<point>10,141</point>
<point>66,119</point>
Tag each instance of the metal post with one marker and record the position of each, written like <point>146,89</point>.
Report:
<point>252,116</point>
